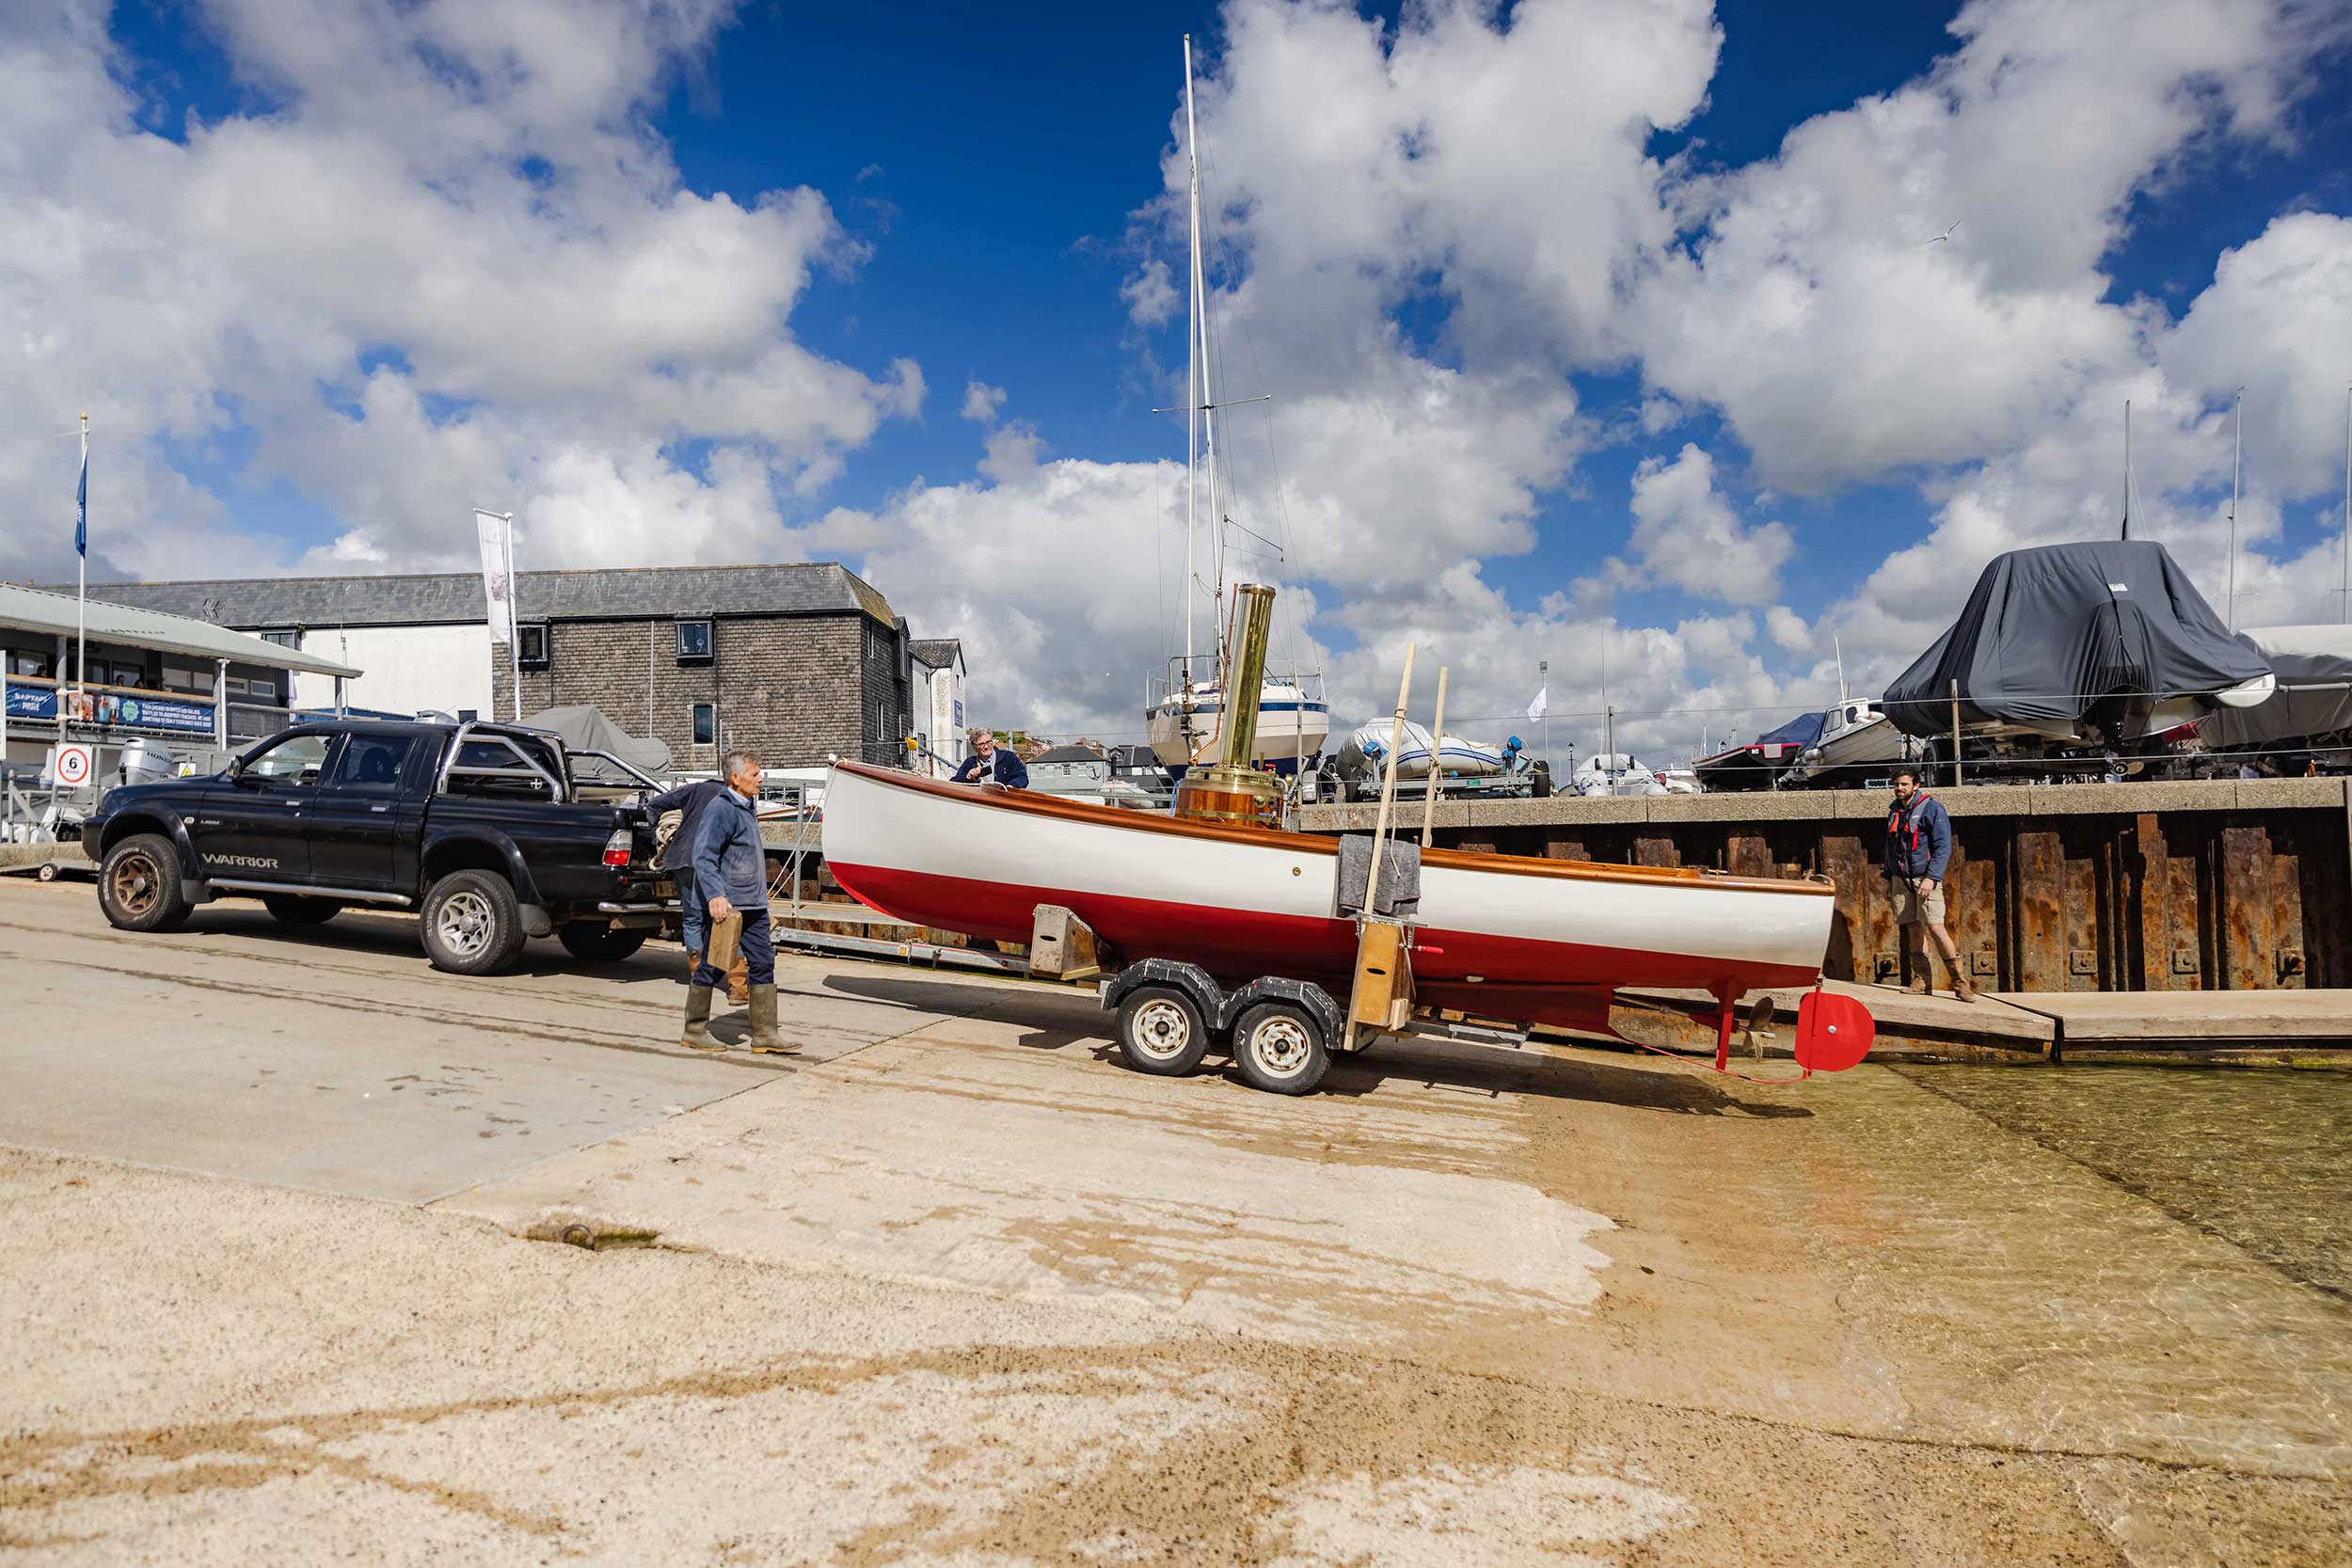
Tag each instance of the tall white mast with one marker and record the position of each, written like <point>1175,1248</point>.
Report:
<point>2237,452</point>
<point>1201,345</point>
<point>2347,503</point>
<point>1192,377</point>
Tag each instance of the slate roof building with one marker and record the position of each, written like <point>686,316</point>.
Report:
<point>797,662</point>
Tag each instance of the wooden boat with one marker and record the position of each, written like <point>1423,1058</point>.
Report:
<point>1500,936</point>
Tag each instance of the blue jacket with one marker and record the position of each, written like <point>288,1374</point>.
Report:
<point>1918,841</point>
<point>1002,767</point>
<point>689,800</point>
<point>727,857</point>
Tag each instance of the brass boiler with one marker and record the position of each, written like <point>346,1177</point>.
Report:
<point>1233,791</point>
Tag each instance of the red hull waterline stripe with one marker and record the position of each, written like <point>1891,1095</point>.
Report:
<point>1236,943</point>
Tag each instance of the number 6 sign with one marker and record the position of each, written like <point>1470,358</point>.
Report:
<point>70,766</point>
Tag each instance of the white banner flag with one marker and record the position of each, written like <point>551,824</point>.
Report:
<point>498,570</point>
<point>1536,709</point>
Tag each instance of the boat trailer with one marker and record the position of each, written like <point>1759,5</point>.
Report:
<point>1282,1031</point>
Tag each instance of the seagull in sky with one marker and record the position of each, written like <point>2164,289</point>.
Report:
<point>1947,234</point>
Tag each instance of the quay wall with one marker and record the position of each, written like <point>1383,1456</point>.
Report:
<point>2219,886</point>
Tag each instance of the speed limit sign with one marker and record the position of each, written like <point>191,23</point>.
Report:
<point>70,766</point>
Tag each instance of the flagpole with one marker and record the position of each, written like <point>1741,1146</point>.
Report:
<point>514,619</point>
<point>81,587</point>
<point>1543,684</point>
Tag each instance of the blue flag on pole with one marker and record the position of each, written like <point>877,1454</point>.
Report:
<point>80,511</point>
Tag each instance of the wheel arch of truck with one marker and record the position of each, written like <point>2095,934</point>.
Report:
<point>167,823</point>
<point>475,849</point>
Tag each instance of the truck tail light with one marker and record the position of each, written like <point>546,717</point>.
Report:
<point>616,849</point>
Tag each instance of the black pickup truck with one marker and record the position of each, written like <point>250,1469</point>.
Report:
<point>492,832</point>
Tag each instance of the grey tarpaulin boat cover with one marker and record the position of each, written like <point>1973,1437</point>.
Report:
<point>586,729</point>
<point>2051,636</point>
<point>2314,697</point>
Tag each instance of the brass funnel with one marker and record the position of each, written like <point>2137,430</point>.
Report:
<point>1233,791</point>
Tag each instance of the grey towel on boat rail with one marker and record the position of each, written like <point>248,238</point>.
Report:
<point>1400,876</point>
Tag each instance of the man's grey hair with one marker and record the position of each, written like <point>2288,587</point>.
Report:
<point>973,736</point>
<point>735,762</point>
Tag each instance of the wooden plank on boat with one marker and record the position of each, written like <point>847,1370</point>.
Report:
<point>1382,996</point>
<point>1062,946</point>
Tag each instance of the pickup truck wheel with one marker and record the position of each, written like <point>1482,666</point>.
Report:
<point>1278,1047</point>
<point>1161,1031</point>
<point>594,942</point>
<point>297,910</point>
<point>139,885</point>
<point>472,924</point>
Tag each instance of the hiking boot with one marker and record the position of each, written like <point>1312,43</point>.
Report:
<point>740,979</point>
<point>1922,981</point>
<point>1960,988</point>
<point>763,1037</point>
<point>693,962</point>
<point>697,1033</point>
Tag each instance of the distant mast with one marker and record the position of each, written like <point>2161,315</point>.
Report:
<point>1197,350</point>
<point>2127,468</point>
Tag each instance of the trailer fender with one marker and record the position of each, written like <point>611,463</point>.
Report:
<point>1191,979</point>
<point>1278,988</point>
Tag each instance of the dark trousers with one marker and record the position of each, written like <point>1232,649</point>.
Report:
<point>694,913</point>
<point>759,952</point>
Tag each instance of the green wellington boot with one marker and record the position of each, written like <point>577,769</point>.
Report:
<point>764,1039</point>
<point>698,1034</point>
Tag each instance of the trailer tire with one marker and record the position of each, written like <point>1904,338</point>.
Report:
<point>1161,1031</point>
<point>472,924</point>
<point>139,887</point>
<point>1279,1047</point>
<point>295,910</point>
<point>596,943</point>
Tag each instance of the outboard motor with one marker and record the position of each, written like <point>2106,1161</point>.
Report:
<point>146,761</point>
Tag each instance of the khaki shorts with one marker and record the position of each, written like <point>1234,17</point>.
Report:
<point>1913,908</point>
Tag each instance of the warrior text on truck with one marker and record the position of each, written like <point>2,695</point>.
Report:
<point>483,830</point>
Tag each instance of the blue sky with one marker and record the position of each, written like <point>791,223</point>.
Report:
<point>985,179</point>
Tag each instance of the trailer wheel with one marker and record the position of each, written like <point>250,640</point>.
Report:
<point>1161,1031</point>
<point>1279,1047</point>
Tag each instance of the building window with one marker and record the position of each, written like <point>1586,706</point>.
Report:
<point>287,638</point>
<point>530,647</point>
<point>705,724</point>
<point>693,642</point>
<point>33,665</point>
<point>186,679</point>
<point>468,715</point>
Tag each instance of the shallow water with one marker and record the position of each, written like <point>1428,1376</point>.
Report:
<point>2261,1158</point>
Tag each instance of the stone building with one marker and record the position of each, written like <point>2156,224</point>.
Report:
<point>797,662</point>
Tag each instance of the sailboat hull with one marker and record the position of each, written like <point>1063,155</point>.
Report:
<point>1499,935</point>
<point>1291,725</point>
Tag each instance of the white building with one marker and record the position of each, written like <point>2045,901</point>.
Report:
<point>938,705</point>
<point>195,686</point>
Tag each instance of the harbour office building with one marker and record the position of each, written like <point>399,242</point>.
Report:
<point>795,663</point>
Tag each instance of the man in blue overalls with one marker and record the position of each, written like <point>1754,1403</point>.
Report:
<point>1918,851</point>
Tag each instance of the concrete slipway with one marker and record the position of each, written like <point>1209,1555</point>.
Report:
<point>952,1287</point>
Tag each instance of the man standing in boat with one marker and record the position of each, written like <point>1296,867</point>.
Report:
<point>1918,851</point>
<point>992,764</point>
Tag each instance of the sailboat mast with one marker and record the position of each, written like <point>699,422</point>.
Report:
<point>1201,332</point>
<point>2237,456</point>
<point>2127,468</point>
<point>1192,377</point>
